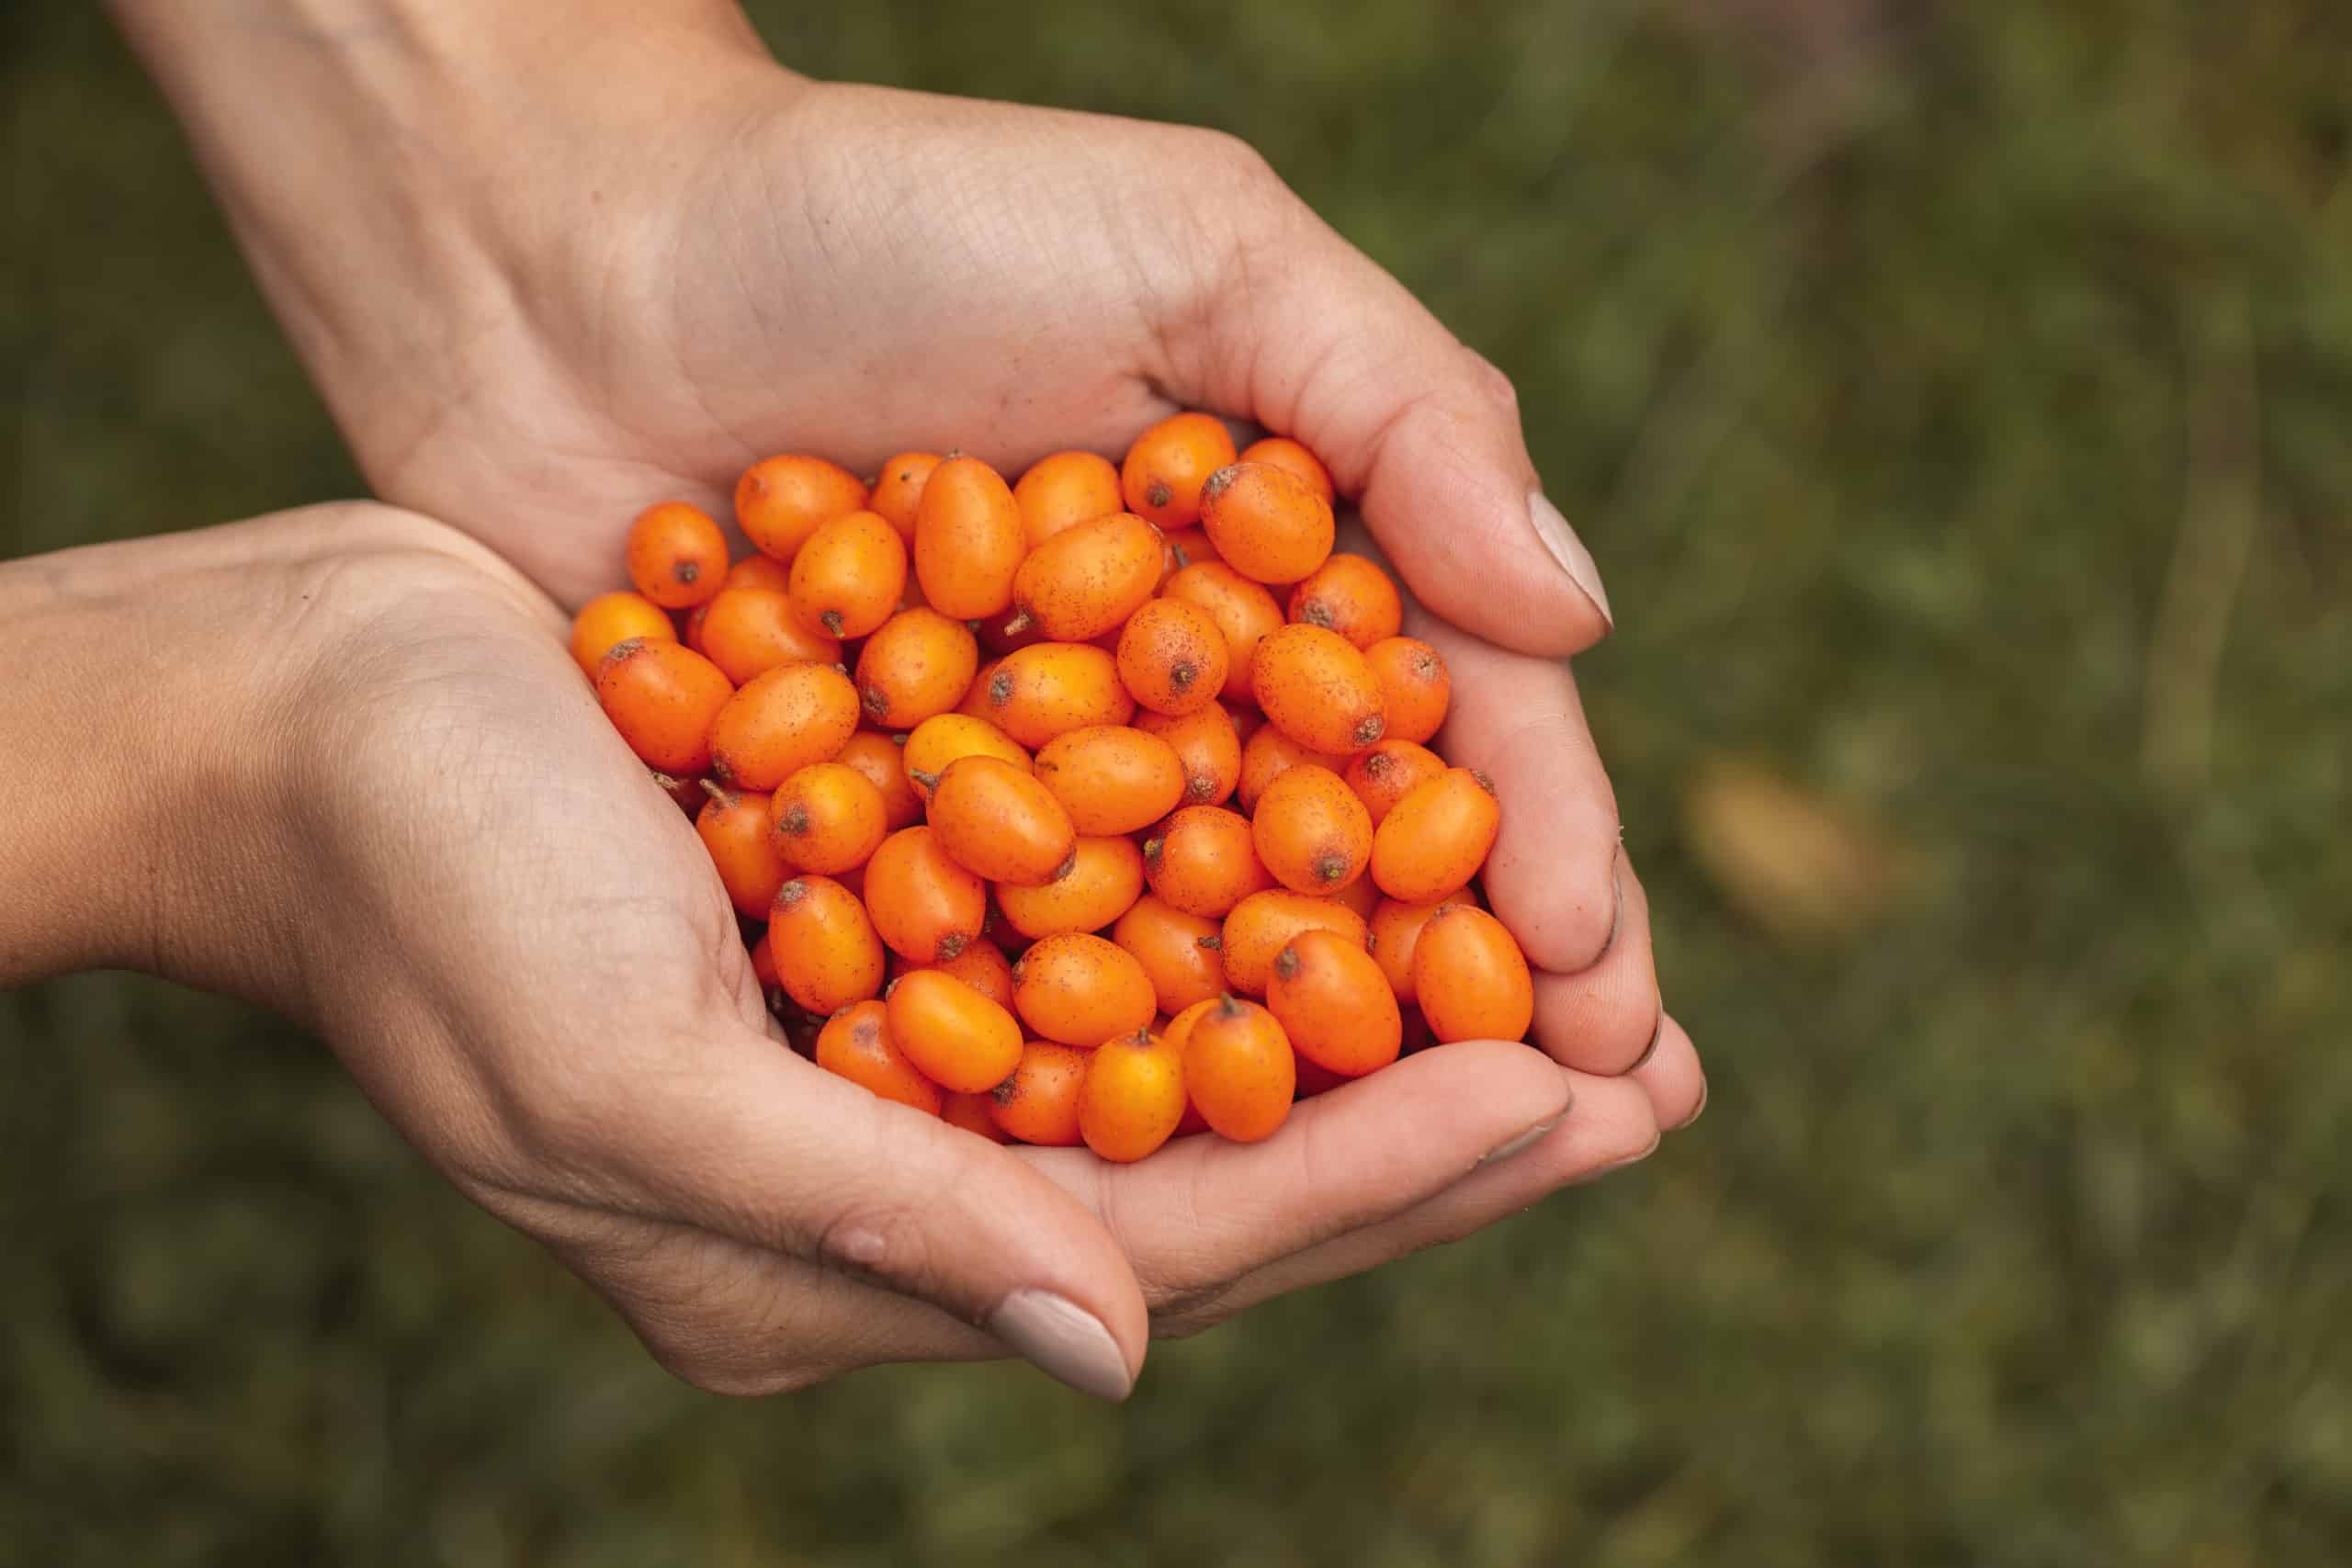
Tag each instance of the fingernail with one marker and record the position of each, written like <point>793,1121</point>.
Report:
<point>1520,1143</point>
<point>1616,911</point>
<point>1569,551</point>
<point>1064,1341</point>
<point>1657,1033</point>
<point>1612,1168</point>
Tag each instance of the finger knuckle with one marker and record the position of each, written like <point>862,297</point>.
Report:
<point>1492,383</point>
<point>883,1240</point>
<point>1224,156</point>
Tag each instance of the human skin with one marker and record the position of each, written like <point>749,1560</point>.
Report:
<point>551,261</point>
<point>339,761</point>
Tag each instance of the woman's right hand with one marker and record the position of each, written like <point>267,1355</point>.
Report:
<point>339,761</point>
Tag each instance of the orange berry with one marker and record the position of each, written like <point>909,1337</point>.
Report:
<point>610,619</point>
<point>1086,580</point>
<point>970,1111</point>
<point>1112,778</point>
<point>663,696</point>
<point>1382,773</point>
<point>1172,657</point>
<point>677,556</point>
<point>1064,490</point>
<point>1349,595</point>
<point>749,631</point>
<point>1334,1004</point>
<point>1415,687</point>
<point>1244,611</point>
<point>1182,955</point>
<point>976,703</point>
<point>1268,754</point>
<point>941,739</point>
<point>1165,469</point>
<point>1036,693</point>
<point>1206,747</point>
<point>1469,977</point>
<point>1396,929</point>
<point>1315,1078</point>
<point>1436,838</point>
<point>1316,688</point>
<point>983,966</point>
<point>764,965</point>
<point>883,761</point>
<point>1102,880</point>
<point>1267,523</point>
<point>1038,1104</point>
<point>780,722</point>
<point>855,1044</point>
<point>1361,896</point>
<point>826,953</point>
<point>1177,1027</point>
<point>756,570</point>
<point>1000,635</point>
<point>899,490</point>
<point>968,541</point>
<point>1288,455</point>
<point>687,794</point>
<point>1000,823</point>
<point>827,818</point>
<point>955,1036</point>
<point>925,906</point>
<point>1203,863</point>
<point>1185,546</point>
<point>1080,991</point>
<point>1133,1098</point>
<point>918,664</point>
<point>1312,831</point>
<point>733,825</point>
<point>1239,1069</point>
<point>779,501</point>
<point>999,932</point>
<point>847,579</point>
<point>1263,924</point>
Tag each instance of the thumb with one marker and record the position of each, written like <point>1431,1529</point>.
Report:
<point>1322,344</point>
<point>760,1146</point>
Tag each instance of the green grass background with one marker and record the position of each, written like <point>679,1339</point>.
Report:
<point>1959,400</point>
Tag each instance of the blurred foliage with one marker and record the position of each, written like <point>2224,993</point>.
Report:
<point>1956,396</point>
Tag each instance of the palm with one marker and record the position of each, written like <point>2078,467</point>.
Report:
<point>855,272</point>
<point>533,878</point>
<point>512,867</point>
<point>770,305</point>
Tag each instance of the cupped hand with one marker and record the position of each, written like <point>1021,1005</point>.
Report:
<point>640,292</point>
<point>616,264</point>
<point>516,941</point>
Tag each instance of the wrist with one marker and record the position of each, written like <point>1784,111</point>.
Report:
<point>160,726</point>
<point>112,753</point>
<point>388,164</point>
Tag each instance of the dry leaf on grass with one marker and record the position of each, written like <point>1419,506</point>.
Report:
<point>1806,868</point>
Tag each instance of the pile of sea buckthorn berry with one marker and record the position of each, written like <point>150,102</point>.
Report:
<point>1095,807</point>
